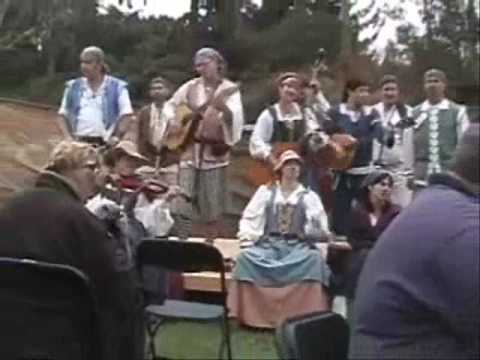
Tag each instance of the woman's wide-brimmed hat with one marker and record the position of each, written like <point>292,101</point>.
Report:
<point>287,156</point>
<point>127,147</point>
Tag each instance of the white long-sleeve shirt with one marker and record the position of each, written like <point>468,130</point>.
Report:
<point>254,216</point>
<point>260,142</point>
<point>401,156</point>
<point>155,216</point>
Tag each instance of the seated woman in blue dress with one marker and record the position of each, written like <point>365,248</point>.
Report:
<point>280,272</point>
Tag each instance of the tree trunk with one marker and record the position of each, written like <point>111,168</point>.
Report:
<point>194,11</point>
<point>473,28</point>
<point>229,12</point>
<point>300,5</point>
<point>346,46</point>
<point>427,17</point>
<point>4,5</point>
<point>276,8</point>
<point>51,65</point>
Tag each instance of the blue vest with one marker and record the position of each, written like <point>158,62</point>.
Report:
<point>110,101</point>
<point>365,130</point>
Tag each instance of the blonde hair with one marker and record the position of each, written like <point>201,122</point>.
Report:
<point>69,155</point>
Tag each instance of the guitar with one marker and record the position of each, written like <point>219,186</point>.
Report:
<point>259,172</point>
<point>189,120</point>
<point>338,153</point>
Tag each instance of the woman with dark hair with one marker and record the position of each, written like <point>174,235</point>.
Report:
<point>369,217</point>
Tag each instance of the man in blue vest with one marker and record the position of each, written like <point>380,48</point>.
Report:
<point>439,124</point>
<point>93,106</point>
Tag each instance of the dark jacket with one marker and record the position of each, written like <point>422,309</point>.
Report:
<point>145,147</point>
<point>51,224</point>
<point>363,236</point>
<point>419,293</point>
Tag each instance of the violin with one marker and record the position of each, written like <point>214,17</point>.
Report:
<point>151,187</point>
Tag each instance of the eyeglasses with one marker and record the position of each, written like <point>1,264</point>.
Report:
<point>91,166</point>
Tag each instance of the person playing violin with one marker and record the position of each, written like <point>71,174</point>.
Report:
<point>145,200</point>
<point>134,207</point>
<point>213,99</point>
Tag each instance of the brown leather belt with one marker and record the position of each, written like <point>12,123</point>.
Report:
<point>93,140</point>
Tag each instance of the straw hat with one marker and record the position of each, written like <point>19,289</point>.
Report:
<point>127,147</point>
<point>287,156</point>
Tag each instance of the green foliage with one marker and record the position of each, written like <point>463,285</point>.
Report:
<point>451,43</point>
<point>38,39</point>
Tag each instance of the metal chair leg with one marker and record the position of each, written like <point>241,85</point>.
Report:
<point>225,341</point>
<point>222,341</point>
<point>152,328</point>
<point>228,339</point>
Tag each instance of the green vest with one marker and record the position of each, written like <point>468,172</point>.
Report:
<point>447,137</point>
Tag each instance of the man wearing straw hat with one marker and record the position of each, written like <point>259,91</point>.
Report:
<point>93,106</point>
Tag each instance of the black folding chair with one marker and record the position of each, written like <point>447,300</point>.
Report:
<point>317,336</point>
<point>47,312</point>
<point>185,257</point>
